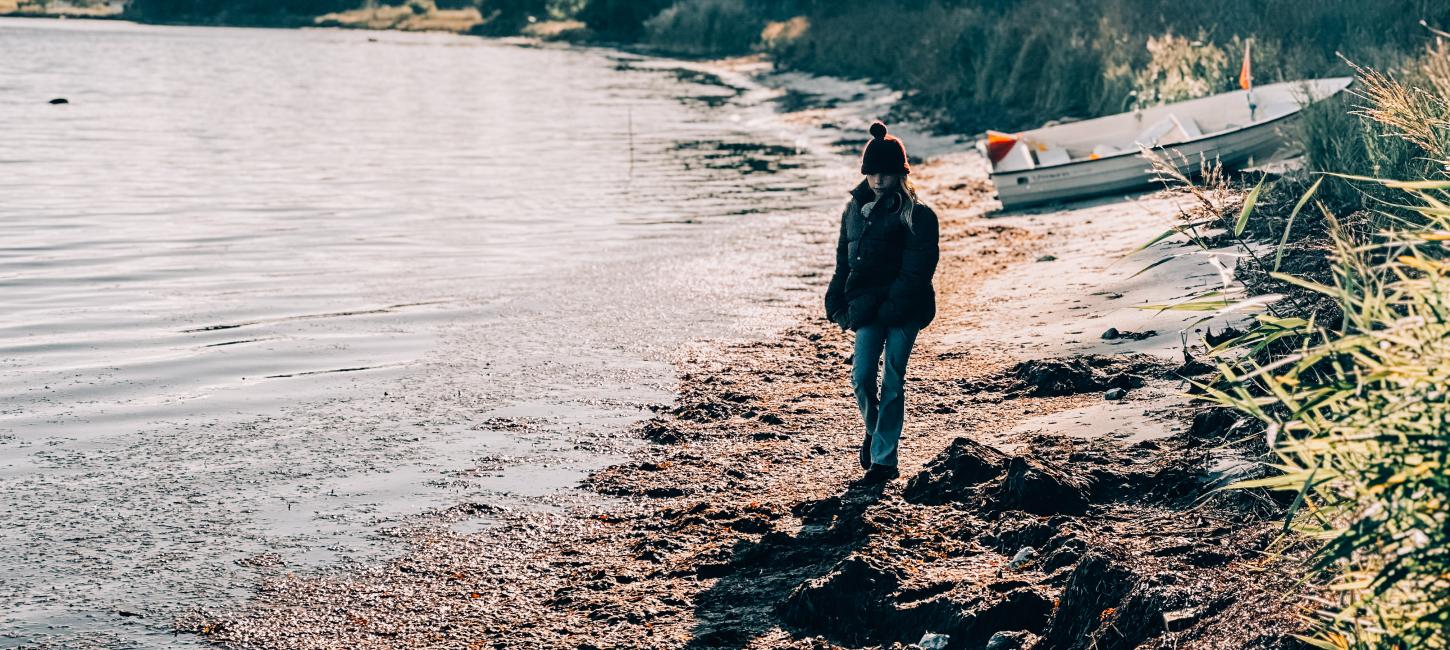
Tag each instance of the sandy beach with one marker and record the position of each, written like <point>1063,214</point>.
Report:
<point>1058,487</point>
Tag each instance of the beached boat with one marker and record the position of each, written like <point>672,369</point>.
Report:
<point>1105,155</point>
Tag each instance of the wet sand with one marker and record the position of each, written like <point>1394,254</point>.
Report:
<point>738,525</point>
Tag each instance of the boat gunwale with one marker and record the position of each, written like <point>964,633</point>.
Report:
<point>1139,152</point>
<point>1163,147</point>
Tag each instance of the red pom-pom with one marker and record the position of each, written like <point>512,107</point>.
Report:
<point>878,129</point>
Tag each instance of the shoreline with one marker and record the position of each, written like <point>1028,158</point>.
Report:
<point>738,525</point>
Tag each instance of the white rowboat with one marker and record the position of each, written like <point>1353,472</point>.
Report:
<point>1105,155</point>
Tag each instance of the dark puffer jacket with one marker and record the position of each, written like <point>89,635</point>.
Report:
<point>883,270</point>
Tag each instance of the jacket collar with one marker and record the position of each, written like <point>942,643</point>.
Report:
<point>863,193</point>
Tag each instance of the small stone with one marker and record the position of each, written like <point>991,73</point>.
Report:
<point>1013,640</point>
<point>60,100</point>
<point>1022,557</point>
<point>1179,620</point>
<point>933,641</point>
<point>1115,394</point>
<point>1111,334</point>
<point>1047,258</point>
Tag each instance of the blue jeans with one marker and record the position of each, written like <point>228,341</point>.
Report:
<point>884,414</point>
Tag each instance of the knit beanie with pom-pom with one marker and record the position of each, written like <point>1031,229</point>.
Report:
<point>884,154</point>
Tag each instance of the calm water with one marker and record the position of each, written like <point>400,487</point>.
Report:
<point>272,292</point>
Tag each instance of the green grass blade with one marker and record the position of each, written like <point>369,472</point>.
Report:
<point>1299,498</point>
<point>1248,208</point>
<point>1289,226</point>
<point>1165,260</point>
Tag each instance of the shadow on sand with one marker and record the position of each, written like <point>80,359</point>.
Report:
<point>748,599</point>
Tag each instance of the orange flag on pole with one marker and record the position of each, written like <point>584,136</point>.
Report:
<point>1246,74</point>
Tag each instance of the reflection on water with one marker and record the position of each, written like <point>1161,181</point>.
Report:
<point>269,292</point>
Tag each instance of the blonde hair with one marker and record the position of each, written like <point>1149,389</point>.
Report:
<point>908,203</point>
<point>907,191</point>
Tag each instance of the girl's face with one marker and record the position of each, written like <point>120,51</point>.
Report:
<point>882,182</point>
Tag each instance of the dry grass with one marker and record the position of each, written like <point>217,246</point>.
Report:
<point>408,18</point>
<point>84,10</point>
<point>1412,114</point>
<point>556,30</point>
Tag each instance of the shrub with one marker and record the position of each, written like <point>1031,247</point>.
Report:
<point>1179,69</point>
<point>238,12</point>
<point>717,27</point>
<point>508,17</point>
<point>621,20</point>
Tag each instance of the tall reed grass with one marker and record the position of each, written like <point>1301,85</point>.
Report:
<point>1377,141</point>
<point>1357,409</point>
<point>1359,418</point>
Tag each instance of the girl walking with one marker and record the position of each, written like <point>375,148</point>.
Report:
<point>885,258</point>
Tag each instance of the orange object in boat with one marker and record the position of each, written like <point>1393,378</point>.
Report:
<point>998,144</point>
<point>1246,73</point>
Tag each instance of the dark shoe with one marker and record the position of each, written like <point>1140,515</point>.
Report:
<point>866,452</point>
<point>878,474</point>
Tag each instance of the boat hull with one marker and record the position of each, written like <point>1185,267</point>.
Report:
<point>1129,172</point>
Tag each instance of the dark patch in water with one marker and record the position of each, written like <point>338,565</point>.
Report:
<point>794,100</point>
<point>322,372</point>
<point>705,79</point>
<point>709,80</point>
<point>217,345</point>
<point>336,314</point>
<point>746,157</point>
